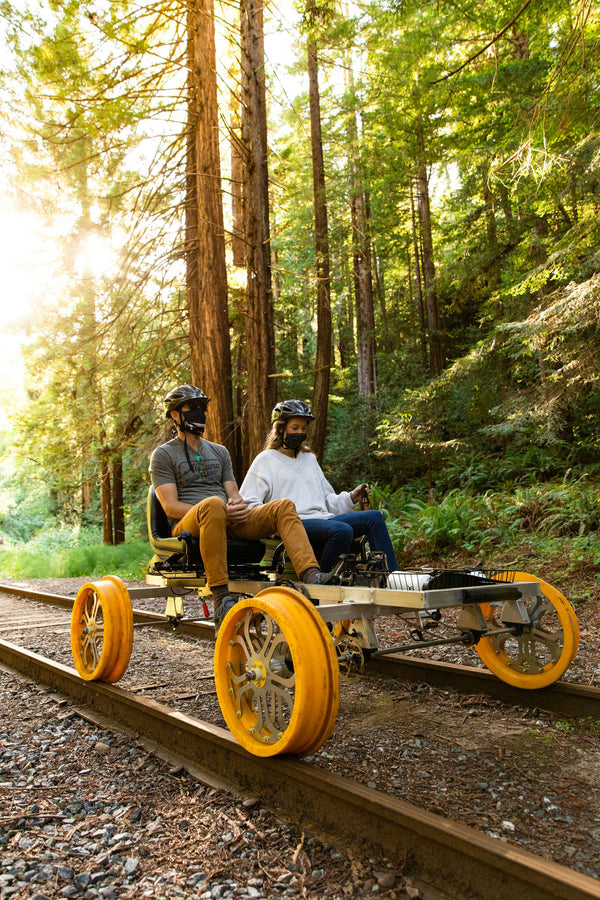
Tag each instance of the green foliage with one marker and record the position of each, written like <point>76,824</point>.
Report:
<point>551,516</point>
<point>585,725</point>
<point>498,447</point>
<point>64,552</point>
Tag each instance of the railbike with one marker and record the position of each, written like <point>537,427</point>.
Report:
<point>281,650</point>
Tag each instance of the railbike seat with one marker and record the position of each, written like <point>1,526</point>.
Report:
<point>182,553</point>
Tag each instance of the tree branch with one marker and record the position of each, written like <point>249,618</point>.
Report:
<point>495,38</point>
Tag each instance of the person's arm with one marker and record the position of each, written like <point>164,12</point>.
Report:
<point>173,507</point>
<point>335,503</point>
<point>256,487</point>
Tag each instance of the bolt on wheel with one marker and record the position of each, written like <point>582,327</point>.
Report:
<point>542,652</point>
<point>102,630</point>
<point>276,674</point>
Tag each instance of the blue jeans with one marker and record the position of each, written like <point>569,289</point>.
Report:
<point>332,537</point>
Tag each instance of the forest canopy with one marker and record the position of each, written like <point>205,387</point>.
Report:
<point>387,209</point>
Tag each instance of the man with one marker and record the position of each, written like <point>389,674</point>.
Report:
<point>194,482</point>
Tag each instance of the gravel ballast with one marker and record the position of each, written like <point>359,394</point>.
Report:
<point>520,775</point>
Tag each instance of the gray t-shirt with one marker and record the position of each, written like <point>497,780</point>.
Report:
<point>169,465</point>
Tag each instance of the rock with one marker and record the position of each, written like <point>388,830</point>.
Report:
<point>385,880</point>
<point>108,892</point>
<point>131,864</point>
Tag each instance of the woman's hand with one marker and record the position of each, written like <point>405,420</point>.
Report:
<point>363,490</point>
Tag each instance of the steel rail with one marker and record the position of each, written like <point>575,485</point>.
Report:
<point>444,854</point>
<point>562,698</point>
<point>140,616</point>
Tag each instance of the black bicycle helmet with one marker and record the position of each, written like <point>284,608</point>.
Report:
<point>185,393</point>
<point>291,409</point>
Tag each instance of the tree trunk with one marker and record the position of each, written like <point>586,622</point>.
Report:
<point>418,281</point>
<point>363,279</point>
<point>117,498</point>
<point>239,392</point>
<point>363,290</point>
<point>495,278</point>
<point>323,356</point>
<point>206,277</point>
<point>345,315</point>
<point>107,521</point>
<point>86,486</point>
<point>238,243</point>
<point>377,278</point>
<point>260,339</point>
<point>436,359</point>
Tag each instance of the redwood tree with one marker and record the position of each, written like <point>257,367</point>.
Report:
<point>436,359</point>
<point>206,276</point>
<point>323,356</point>
<point>259,333</point>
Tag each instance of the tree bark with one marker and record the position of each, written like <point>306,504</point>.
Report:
<point>238,243</point>
<point>495,276</point>
<point>107,521</point>
<point>363,290</point>
<point>117,498</point>
<point>259,332</point>
<point>345,315</point>
<point>363,279</point>
<point>323,356</point>
<point>436,359</point>
<point>418,280</point>
<point>206,276</point>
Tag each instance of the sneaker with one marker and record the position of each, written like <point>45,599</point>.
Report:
<point>317,577</point>
<point>222,607</point>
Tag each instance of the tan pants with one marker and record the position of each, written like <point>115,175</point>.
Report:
<point>207,521</point>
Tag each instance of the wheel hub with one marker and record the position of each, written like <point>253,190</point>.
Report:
<point>257,673</point>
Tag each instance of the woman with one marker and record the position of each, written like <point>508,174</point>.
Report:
<point>287,468</point>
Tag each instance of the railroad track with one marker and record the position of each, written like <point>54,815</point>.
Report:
<point>447,855</point>
<point>562,698</point>
<point>442,853</point>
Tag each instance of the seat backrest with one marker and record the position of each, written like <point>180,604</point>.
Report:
<point>158,523</point>
<point>159,532</point>
<point>239,553</point>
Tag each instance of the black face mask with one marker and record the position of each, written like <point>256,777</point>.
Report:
<point>293,441</point>
<point>193,421</point>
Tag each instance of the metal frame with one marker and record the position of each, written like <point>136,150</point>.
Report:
<point>341,602</point>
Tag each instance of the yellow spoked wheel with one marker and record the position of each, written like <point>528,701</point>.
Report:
<point>102,630</point>
<point>276,674</point>
<point>351,659</point>
<point>541,654</point>
<point>342,627</point>
<point>350,655</point>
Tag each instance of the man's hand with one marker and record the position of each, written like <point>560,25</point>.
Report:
<point>237,511</point>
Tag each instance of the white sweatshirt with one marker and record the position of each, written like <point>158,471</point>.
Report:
<point>274,476</point>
